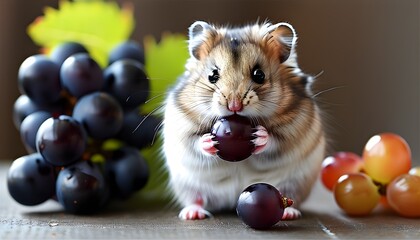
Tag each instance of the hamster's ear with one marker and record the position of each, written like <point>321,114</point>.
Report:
<point>202,37</point>
<point>284,37</point>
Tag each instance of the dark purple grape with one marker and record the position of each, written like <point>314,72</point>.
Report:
<point>29,128</point>
<point>127,171</point>
<point>39,79</point>
<point>60,53</point>
<point>127,50</point>
<point>24,106</point>
<point>234,134</point>
<point>80,75</point>
<point>81,188</point>
<point>61,141</point>
<point>138,130</point>
<point>100,114</point>
<point>261,205</point>
<point>31,180</point>
<point>127,82</point>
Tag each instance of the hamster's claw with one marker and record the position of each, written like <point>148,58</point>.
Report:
<point>207,144</point>
<point>261,139</point>
<point>194,212</point>
<point>291,213</point>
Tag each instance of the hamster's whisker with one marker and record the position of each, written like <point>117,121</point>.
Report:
<point>155,97</point>
<point>265,91</point>
<point>197,106</point>
<point>327,90</point>
<point>157,128</point>
<point>147,115</point>
<point>217,86</point>
<point>206,122</point>
<point>220,91</point>
<point>205,87</point>
<point>198,103</point>
<point>318,75</point>
<point>247,90</point>
<point>270,102</point>
<point>254,120</point>
<point>325,103</point>
<point>259,121</point>
<point>258,87</point>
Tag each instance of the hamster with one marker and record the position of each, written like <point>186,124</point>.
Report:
<point>250,71</point>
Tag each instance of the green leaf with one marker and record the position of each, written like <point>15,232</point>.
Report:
<point>165,62</point>
<point>98,25</point>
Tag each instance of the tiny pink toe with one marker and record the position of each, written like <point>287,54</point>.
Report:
<point>209,147</point>
<point>261,139</point>
<point>207,144</point>
<point>261,131</point>
<point>291,213</point>
<point>194,212</point>
<point>258,149</point>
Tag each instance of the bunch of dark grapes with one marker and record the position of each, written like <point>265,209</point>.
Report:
<point>69,109</point>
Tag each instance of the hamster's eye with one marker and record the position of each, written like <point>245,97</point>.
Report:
<point>258,75</point>
<point>214,76</point>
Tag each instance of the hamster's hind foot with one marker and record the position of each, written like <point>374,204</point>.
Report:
<point>291,213</point>
<point>194,212</point>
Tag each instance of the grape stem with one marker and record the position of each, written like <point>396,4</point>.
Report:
<point>287,202</point>
<point>381,187</point>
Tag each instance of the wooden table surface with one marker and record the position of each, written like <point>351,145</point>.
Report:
<point>139,219</point>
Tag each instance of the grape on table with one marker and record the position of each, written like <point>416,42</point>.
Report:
<point>261,205</point>
<point>31,180</point>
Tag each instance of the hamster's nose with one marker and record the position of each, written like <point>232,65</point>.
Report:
<point>235,105</point>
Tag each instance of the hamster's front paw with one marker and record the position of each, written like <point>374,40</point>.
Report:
<point>291,213</point>
<point>194,212</point>
<point>207,144</point>
<point>261,139</point>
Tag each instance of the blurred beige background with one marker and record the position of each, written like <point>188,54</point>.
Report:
<point>370,49</point>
